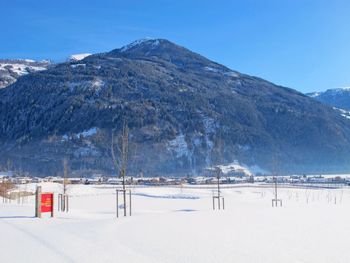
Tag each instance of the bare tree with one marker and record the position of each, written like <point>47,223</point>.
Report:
<point>5,187</point>
<point>9,165</point>
<point>275,200</point>
<point>114,153</point>
<point>218,196</point>
<point>63,198</point>
<point>120,160</point>
<point>65,175</point>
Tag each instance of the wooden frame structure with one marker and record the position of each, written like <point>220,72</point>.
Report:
<point>124,193</point>
<point>275,201</point>
<point>63,203</point>
<point>220,199</point>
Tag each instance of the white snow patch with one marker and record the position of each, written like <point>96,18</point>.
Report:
<point>227,73</point>
<point>78,65</point>
<point>78,57</point>
<point>344,88</point>
<point>343,113</point>
<point>87,133</point>
<point>232,74</point>
<point>155,42</point>
<point>10,70</point>
<point>315,94</point>
<point>20,69</point>
<point>179,146</point>
<point>237,167</point>
<point>97,83</point>
<point>336,91</point>
<point>211,69</point>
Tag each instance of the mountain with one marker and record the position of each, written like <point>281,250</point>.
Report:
<point>12,69</point>
<point>339,97</point>
<point>77,57</point>
<point>185,113</point>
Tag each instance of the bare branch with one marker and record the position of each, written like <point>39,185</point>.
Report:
<point>115,161</point>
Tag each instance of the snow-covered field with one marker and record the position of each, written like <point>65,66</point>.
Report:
<point>177,224</point>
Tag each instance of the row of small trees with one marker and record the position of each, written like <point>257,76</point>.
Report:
<point>5,187</point>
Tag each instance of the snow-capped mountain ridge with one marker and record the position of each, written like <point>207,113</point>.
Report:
<point>78,57</point>
<point>184,111</point>
<point>12,69</point>
<point>152,41</point>
<point>337,97</point>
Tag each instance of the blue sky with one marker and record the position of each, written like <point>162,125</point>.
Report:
<point>301,44</point>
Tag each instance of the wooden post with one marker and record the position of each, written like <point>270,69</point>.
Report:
<point>65,175</point>
<point>117,202</point>
<point>130,202</point>
<point>276,188</point>
<point>53,204</point>
<point>124,199</point>
<point>59,201</point>
<point>38,202</point>
<point>63,203</point>
<point>124,194</point>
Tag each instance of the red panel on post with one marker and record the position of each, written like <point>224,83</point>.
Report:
<point>46,202</point>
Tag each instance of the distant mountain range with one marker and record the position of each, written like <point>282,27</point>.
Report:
<point>185,113</point>
<point>339,97</point>
<point>12,69</point>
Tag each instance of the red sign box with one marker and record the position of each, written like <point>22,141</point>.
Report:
<point>46,202</point>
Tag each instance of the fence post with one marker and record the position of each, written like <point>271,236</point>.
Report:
<point>38,202</point>
<point>130,202</point>
<point>53,204</point>
<point>117,202</point>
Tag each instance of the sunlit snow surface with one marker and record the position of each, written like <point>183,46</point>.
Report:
<point>154,43</point>
<point>344,113</point>
<point>77,57</point>
<point>177,224</point>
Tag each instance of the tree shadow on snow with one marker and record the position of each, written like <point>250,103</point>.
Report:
<point>185,210</point>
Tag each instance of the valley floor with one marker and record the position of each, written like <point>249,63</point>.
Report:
<point>177,224</point>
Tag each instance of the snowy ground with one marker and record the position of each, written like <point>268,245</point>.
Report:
<point>172,224</point>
